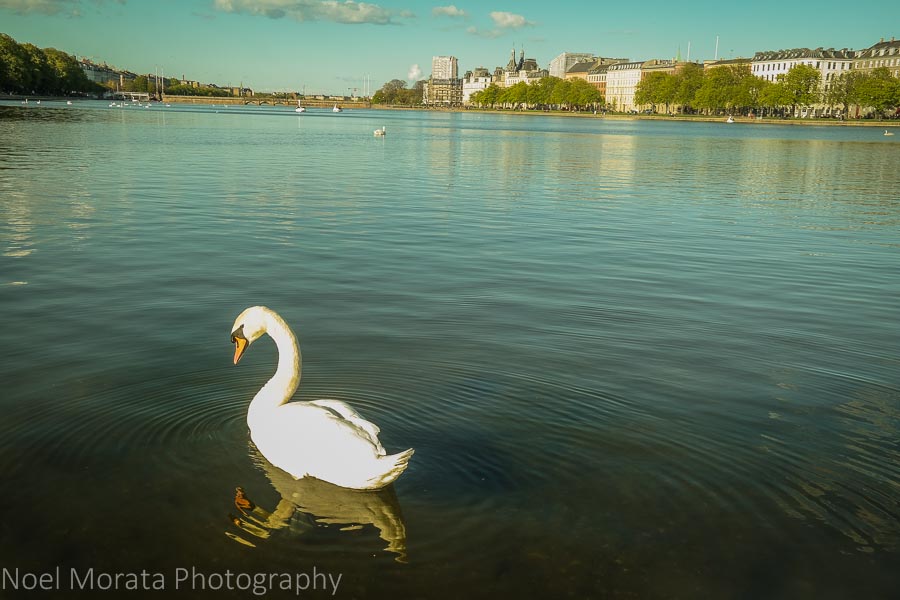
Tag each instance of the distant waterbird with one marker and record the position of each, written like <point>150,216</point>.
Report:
<point>380,132</point>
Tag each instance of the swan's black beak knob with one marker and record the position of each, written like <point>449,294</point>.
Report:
<point>240,343</point>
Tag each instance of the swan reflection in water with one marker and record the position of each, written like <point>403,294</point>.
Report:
<point>310,502</point>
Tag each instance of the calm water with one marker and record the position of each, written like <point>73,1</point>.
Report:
<point>635,359</point>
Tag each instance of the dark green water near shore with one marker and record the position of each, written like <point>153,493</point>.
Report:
<point>635,359</point>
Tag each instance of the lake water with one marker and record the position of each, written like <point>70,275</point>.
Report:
<point>635,359</point>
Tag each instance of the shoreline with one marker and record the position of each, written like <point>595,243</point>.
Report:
<point>526,113</point>
<point>658,117</point>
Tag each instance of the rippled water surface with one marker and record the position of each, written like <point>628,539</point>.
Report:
<point>635,359</point>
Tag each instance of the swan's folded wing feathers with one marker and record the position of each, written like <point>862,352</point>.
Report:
<point>346,411</point>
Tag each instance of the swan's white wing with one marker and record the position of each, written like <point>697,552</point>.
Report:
<point>344,410</point>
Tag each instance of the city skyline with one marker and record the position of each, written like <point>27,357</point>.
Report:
<point>345,47</point>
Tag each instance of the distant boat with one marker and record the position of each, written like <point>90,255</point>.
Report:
<point>299,108</point>
<point>380,132</point>
<point>886,132</point>
<point>337,109</point>
<point>730,119</point>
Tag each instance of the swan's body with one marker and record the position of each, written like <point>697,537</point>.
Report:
<point>299,108</point>
<point>886,132</point>
<point>380,132</point>
<point>337,109</point>
<point>325,439</point>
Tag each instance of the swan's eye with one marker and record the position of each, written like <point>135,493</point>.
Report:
<point>237,334</point>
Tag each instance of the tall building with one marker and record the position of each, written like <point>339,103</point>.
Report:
<point>560,65</point>
<point>444,67</point>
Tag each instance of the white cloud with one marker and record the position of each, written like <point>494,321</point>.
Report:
<point>508,20</point>
<point>415,73</point>
<point>338,11</point>
<point>484,33</point>
<point>449,11</point>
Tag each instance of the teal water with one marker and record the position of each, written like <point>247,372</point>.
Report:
<point>636,359</point>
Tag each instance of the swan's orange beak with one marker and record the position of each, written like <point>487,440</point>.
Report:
<point>240,344</point>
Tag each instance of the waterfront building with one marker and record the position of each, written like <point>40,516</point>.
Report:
<point>830,64</point>
<point>596,74</point>
<point>523,70</point>
<point>444,67</point>
<point>442,92</point>
<point>725,62</point>
<point>560,65</point>
<point>579,70</point>
<point>104,74</point>
<point>475,81</point>
<point>621,81</point>
<point>597,78</point>
<point>883,54</point>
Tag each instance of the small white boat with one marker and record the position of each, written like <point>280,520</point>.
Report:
<point>337,109</point>
<point>380,132</point>
<point>886,132</point>
<point>299,108</point>
<point>730,119</point>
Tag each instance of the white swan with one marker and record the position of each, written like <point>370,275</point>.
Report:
<point>886,132</point>
<point>325,439</point>
<point>380,132</point>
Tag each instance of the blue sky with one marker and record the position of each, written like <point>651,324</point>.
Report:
<point>332,46</point>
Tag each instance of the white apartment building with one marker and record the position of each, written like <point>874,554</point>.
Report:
<point>621,81</point>
<point>560,65</point>
<point>830,63</point>
<point>475,81</point>
<point>883,54</point>
<point>444,67</point>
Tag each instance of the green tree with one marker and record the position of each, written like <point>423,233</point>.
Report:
<point>842,91</point>
<point>878,90</point>
<point>14,65</point>
<point>774,95</point>
<point>390,92</point>
<point>68,74</point>
<point>656,88</point>
<point>687,82</point>
<point>584,94</point>
<point>561,96</point>
<point>41,76</point>
<point>801,85</point>
<point>486,97</point>
<point>515,95</point>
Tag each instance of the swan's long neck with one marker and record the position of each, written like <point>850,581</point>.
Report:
<point>284,382</point>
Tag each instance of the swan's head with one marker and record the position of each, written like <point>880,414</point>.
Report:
<point>247,328</point>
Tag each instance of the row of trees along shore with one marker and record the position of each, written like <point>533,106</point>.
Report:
<point>734,89</point>
<point>693,89</point>
<point>27,69</point>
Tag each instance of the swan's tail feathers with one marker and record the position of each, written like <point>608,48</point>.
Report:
<point>395,464</point>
